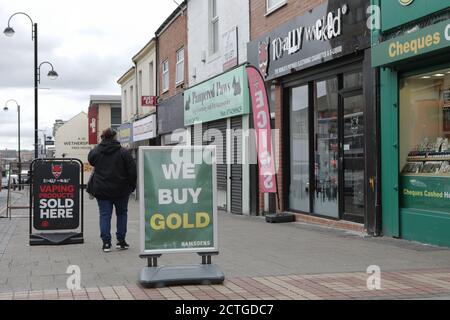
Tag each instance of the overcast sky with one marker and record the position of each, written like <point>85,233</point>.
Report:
<point>90,43</point>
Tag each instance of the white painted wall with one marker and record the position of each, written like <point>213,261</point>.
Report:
<point>231,13</point>
<point>128,102</point>
<point>72,140</point>
<point>148,87</point>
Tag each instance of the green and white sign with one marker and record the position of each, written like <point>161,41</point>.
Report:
<point>425,193</point>
<point>426,40</point>
<point>177,190</point>
<point>221,97</point>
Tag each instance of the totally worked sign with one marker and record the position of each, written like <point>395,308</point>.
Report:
<point>178,199</point>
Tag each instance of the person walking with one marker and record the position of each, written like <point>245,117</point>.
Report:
<point>113,180</point>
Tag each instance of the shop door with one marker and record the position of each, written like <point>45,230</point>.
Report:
<point>215,133</point>
<point>352,148</point>
<point>236,165</point>
<point>326,148</point>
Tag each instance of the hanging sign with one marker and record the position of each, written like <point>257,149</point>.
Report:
<point>93,123</point>
<point>178,199</point>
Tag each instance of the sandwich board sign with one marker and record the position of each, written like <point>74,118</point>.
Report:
<point>178,209</point>
<point>56,202</point>
<point>178,199</point>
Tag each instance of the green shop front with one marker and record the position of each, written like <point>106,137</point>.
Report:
<point>413,56</point>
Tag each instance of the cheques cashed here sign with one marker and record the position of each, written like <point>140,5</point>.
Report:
<point>56,195</point>
<point>177,192</point>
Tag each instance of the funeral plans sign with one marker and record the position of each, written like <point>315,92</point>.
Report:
<point>177,199</point>
<point>56,197</point>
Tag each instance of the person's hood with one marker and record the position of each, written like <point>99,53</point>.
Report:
<point>109,146</point>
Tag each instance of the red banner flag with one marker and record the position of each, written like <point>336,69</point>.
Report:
<point>261,119</point>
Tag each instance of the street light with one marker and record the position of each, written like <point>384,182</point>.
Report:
<point>9,32</point>
<point>18,134</point>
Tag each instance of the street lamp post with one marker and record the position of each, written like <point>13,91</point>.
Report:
<point>9,32</point>
<point>18,137</point>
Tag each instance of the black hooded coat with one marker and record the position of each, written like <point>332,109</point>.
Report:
<point>115,173</point>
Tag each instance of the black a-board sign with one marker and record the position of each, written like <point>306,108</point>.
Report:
<point>56,202</point>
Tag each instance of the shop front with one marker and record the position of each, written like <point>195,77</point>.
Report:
<point>217,112</point>
<point>415,120</point>
<point>321,63</point>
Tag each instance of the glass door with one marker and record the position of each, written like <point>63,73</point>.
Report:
<point>299,199</point>
<point>326,148</point>
<point>353,148</point>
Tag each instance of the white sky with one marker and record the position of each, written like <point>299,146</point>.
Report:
<point>90,43</point>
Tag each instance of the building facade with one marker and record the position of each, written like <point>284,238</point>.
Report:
<point>316,59</point>
<point>411,51</point>
<point>217,101</point>
<point>72,141</point>
<point>172,76</point>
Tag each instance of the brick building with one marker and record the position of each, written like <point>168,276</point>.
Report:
<point>315,56</point>
<point>172,62</point>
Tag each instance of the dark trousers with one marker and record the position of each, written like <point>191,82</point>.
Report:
<point>106,208</point>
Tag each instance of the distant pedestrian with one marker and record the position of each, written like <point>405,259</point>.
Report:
<point>112,182</point>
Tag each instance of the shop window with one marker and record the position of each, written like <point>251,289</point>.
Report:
<point>424,141</point>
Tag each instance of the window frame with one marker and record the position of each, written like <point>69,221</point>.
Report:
<point>179,62</point>
<point>213,22</point>
<point>275,7</point>
<point>163,74</point>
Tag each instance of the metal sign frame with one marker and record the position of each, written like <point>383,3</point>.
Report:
<point>211,250</point>
<point>57,238</point>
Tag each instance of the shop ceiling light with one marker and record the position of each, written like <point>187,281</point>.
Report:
<point>438,75</point>
<point>426,77</point>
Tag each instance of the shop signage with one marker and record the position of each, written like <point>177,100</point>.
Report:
<point>178,199</point>
<point>56,198</point>
<point>397,13</point>
<point>423,193</point>
<point>148,101</point>
<point>144,129</point>
<point>426,40</point>
<point>230,50</point>
<point>125,135</point>
<point>170,114</point>
<point>224,96</point>
<point>93,124</point>
<point>261,119</point>
<point>329,31</point>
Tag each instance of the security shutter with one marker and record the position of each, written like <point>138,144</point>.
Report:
<point>221,153</point>
<point>236,166</point>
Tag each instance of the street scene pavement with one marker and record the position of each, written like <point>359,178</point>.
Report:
<point>259,260</point>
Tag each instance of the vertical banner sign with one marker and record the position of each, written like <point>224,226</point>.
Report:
<point>261,119</point>
<point>93,124</point>
<point>178,199</point>
<point>56,195</point>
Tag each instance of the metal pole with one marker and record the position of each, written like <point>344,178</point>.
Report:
<point>36,73</point>
<point>20,159</point>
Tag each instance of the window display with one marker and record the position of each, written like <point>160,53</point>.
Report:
<point>424,141</point>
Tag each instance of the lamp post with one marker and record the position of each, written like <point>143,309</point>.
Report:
<point>18,136</point>
<point>9,32</point>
